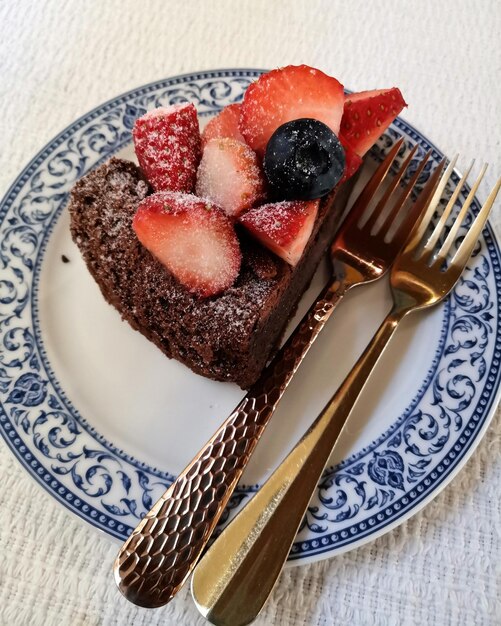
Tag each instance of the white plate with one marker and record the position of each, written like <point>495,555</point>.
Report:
<point>100,418</point>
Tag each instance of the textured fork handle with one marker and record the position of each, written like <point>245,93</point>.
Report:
<point>163,549</point>
<point>238,572</point>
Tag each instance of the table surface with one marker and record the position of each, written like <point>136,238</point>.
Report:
<point>60,59</point>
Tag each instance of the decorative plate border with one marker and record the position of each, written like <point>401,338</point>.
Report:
<point>373,489</point>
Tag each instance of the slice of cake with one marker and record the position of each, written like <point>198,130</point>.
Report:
<point>213,279</point>
<point>227,337</point>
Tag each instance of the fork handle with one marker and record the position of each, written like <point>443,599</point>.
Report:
<point>161,552</point>
<point>235,577</point>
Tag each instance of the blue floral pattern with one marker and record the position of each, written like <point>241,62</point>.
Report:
<point>373,488</point>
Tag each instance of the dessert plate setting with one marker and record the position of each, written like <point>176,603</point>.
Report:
<point>104,422</point>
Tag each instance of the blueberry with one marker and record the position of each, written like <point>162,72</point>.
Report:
<point>304,160</point>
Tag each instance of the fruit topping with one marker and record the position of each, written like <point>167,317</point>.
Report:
<point>288,94</point>
<point>168,146</point>
<point>193,238</point>
<point>229,175</point>
<point>283,227</point>
<point>225,124</point>
<point>304,160</point>
<point>367,115</point>
<point>297,125</point>
<point>352,161</point>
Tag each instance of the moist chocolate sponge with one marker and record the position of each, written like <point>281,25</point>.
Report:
<point>229,337</point>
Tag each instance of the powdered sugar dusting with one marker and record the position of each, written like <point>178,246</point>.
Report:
<point>165,111</point>
<point>283,227</point>
<point>168,146</point>
<point>230,175</point>
<point>228,314</point>
<point>119,183</point>
<point>280,220</point>
<point>194,239</point>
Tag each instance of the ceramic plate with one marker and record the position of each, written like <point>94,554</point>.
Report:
<point>103,421</point>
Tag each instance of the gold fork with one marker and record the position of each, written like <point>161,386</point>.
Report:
<point>161,552</point>
<point>235,577</point>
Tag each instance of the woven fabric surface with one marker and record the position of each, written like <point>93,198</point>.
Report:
<point>60,59</point>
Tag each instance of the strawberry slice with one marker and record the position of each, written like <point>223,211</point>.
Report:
<point>283,227</point>
<point>229,175</point>
<point>225,124</point>
<point>193,238</point>
<point>167,144</point>
<point>288,94</point>
<point>367,115</point>
<point>352,161</point>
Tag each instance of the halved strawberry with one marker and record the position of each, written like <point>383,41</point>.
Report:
<point>229,175</point>
<point>225,124</point>
<point>288,94</point>
<point>352,161</point>
<point>168,146</point>
<point>367,115</point>
<point>283,227</point>
<point>193,239</point>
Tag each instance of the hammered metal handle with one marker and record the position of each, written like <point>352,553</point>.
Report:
<point>161,552</point>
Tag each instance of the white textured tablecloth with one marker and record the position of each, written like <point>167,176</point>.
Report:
<point>60,58</point>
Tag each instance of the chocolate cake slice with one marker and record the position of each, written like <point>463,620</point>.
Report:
<point>229,337</point>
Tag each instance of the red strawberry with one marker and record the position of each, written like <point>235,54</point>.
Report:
<point>229,175</point>
<point>225,124</point>
<point>167,144</point>
<point>193,238</point>
<point>283,227</point>
<point>288,94</point>
<point>367,115</point>
<point>352,161</point>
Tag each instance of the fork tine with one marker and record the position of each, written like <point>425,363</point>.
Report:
<point>365,196</point>
<point>444,250</point>
<point>424,208</point>
<point>443,181</point>
<point>466,247</point>
<point>409,219</point>
<point>437,231</point>
<point>369,224</point>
